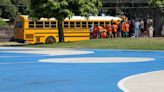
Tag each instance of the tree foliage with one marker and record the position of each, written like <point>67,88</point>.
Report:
<point>157,3</point>
<point>10,8</point>
<point>60,9</point>
<point>64,8</point>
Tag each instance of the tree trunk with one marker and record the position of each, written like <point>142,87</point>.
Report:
<point>60,31</point>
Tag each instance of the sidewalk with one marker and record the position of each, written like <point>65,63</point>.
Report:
<point>9,43</point>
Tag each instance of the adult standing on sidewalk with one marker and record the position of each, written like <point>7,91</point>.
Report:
<point>150,27</point>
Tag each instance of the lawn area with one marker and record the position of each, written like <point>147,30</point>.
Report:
<point>117,43</point>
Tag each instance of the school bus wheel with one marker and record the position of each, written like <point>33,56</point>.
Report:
<point>50,40</point>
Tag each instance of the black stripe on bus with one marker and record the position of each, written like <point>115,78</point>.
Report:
<point>57,32</point>
<point>39,36</point>
<point>76,32</point>
<point>47,33</point>
<point>29,40</point>
<point>74,36</point>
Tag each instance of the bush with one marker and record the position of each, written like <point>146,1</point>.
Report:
<point>5,25</point>
<point>2,23</point>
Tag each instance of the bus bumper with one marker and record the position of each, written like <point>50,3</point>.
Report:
<point>20,40</point>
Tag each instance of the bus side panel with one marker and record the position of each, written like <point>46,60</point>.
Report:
<point>76,34</point>
<point>29,36</point>
<point>42,34</point>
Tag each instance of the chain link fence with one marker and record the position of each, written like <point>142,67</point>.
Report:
<point>148,13</point>
<point>141,13</point>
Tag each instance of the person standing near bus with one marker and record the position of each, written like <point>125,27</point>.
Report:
<point>100,30</point>
<point>95,32</point>
<point>150,27</point>
<point>123,29</point>
<point>142,27</point>
<point>103,34</point>
<point>109,30</point>
<point>119,29</point>
<point>115,27</point>
<point>131,29</point>
<point>137,28</point>
<point>91,32</point>
<point>127,26</point>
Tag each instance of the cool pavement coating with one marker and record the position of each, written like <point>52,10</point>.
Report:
<point>23,72</point>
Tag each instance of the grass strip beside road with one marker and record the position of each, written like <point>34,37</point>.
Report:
<point>115,43</point>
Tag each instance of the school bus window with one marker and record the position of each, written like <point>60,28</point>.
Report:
<point>84,24</point>
<point>53,24</point>
<point>96,23</point>
<point>18,24</point>
<point>39,24</point>
<point>65,24</point>
<point>72,24</point>
<point>89,24</point>
<point>47,24</point>
<point>77,24</point>
<point>102,24</point>
<point>31,24</point>
<point>107,23</point>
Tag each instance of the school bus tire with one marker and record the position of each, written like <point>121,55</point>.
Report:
<point>50,40</point>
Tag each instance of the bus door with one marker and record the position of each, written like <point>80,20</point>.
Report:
<point>19,29</point>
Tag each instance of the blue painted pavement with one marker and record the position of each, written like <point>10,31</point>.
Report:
<point>23,72</point>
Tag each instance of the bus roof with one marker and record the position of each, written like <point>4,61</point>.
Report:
<point>106,18</point>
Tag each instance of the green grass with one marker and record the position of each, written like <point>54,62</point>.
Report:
<point>117,43</point>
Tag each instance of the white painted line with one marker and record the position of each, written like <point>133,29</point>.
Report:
<point>5,63</point>
<point>97,60</point>
<point>21,56</point>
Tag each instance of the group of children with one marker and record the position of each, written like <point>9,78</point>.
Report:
<point>115,29</point>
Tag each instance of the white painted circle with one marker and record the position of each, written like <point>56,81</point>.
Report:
<point>148,82</point>
<point>52,52</point>
<point>97,60</point>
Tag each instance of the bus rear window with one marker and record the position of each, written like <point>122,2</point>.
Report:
<point>18,24</point>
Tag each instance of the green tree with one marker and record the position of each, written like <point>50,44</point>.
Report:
<point>22,5</point>
<point>157,4</point>
<point>10,8</point>
<point>60,9</point>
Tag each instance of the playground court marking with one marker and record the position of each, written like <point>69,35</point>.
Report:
<point>97,60</point>
<point>145,82</point>
<point>51,52</point>
<point>6,63</point>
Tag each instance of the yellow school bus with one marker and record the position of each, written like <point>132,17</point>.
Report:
<point>45,30</point>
